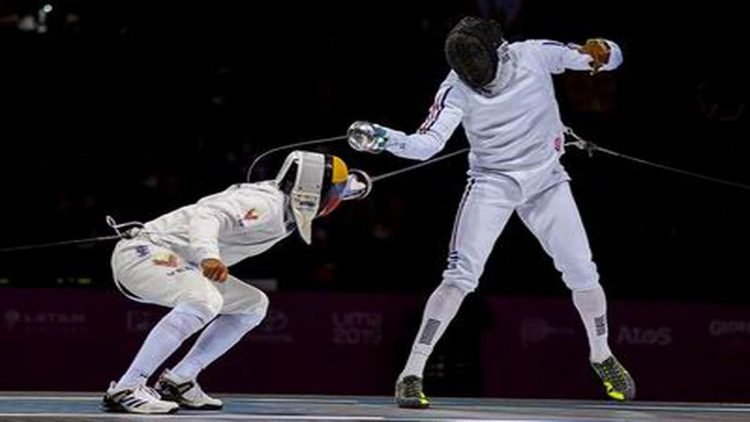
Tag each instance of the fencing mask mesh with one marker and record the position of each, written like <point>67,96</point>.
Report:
<point>471,50</point>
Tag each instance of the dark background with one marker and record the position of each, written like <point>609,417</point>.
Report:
<point>131,109</point>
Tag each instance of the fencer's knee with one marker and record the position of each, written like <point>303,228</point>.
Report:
<point>206,306</point>
<point>260,307</point>
<point>579,284</point>
<point>461,274</point>
<point>461,286</point>
<point>214,301</point>
<point>252,312</point>
<point>580,276</point>
<point>587,287</point>
<point>255,304</point>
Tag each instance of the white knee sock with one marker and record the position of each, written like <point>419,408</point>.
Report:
<point>441,307</point>
<point>166,336</point>
<point>214,341</point>
<point>592,306</point>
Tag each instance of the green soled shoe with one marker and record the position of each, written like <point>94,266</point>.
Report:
<point>617,381</point>
<point>409,393</point>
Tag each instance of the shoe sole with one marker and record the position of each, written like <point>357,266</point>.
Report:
<point>189,406</point>
<point>412,404</point>
<point>204,407</point>
<point>120,409</point>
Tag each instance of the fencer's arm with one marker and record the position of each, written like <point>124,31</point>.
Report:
<point>417,146</point>
<point>213,215</point>
<point>204,240</point>
<point>444,117</point>
<point>204,233</point>
<point>596,55</point>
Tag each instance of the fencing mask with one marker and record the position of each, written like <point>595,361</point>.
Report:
<point>471,51</point>
<point>316,184</point>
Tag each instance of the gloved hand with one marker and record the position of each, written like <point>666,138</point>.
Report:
<point>599,51</point>
<point>367,137</point>
<point>215,270</point>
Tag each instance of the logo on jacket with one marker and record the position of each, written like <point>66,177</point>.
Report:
<point>165,259</point>
<point>142,251</point>
<point>250,216</point>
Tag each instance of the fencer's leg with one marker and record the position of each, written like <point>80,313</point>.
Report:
<point>157,275</point>
<point>554,219</point>
<point>244,308</point>
<point>592,307</point>
<point>166,337</point>
<point>481,218</point>
<point>552,216</point>
<point>441,308</point>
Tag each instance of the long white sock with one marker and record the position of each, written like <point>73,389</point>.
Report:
<point>166,336</point>
<point>592,306</point>
<point>214,341</point>
<point>441,307</point>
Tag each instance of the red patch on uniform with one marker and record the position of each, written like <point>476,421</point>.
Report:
<point>251,215</point>
<point>558,144</point>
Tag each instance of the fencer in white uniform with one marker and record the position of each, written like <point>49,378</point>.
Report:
<point>503,95</point>
<point>180,260</point>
